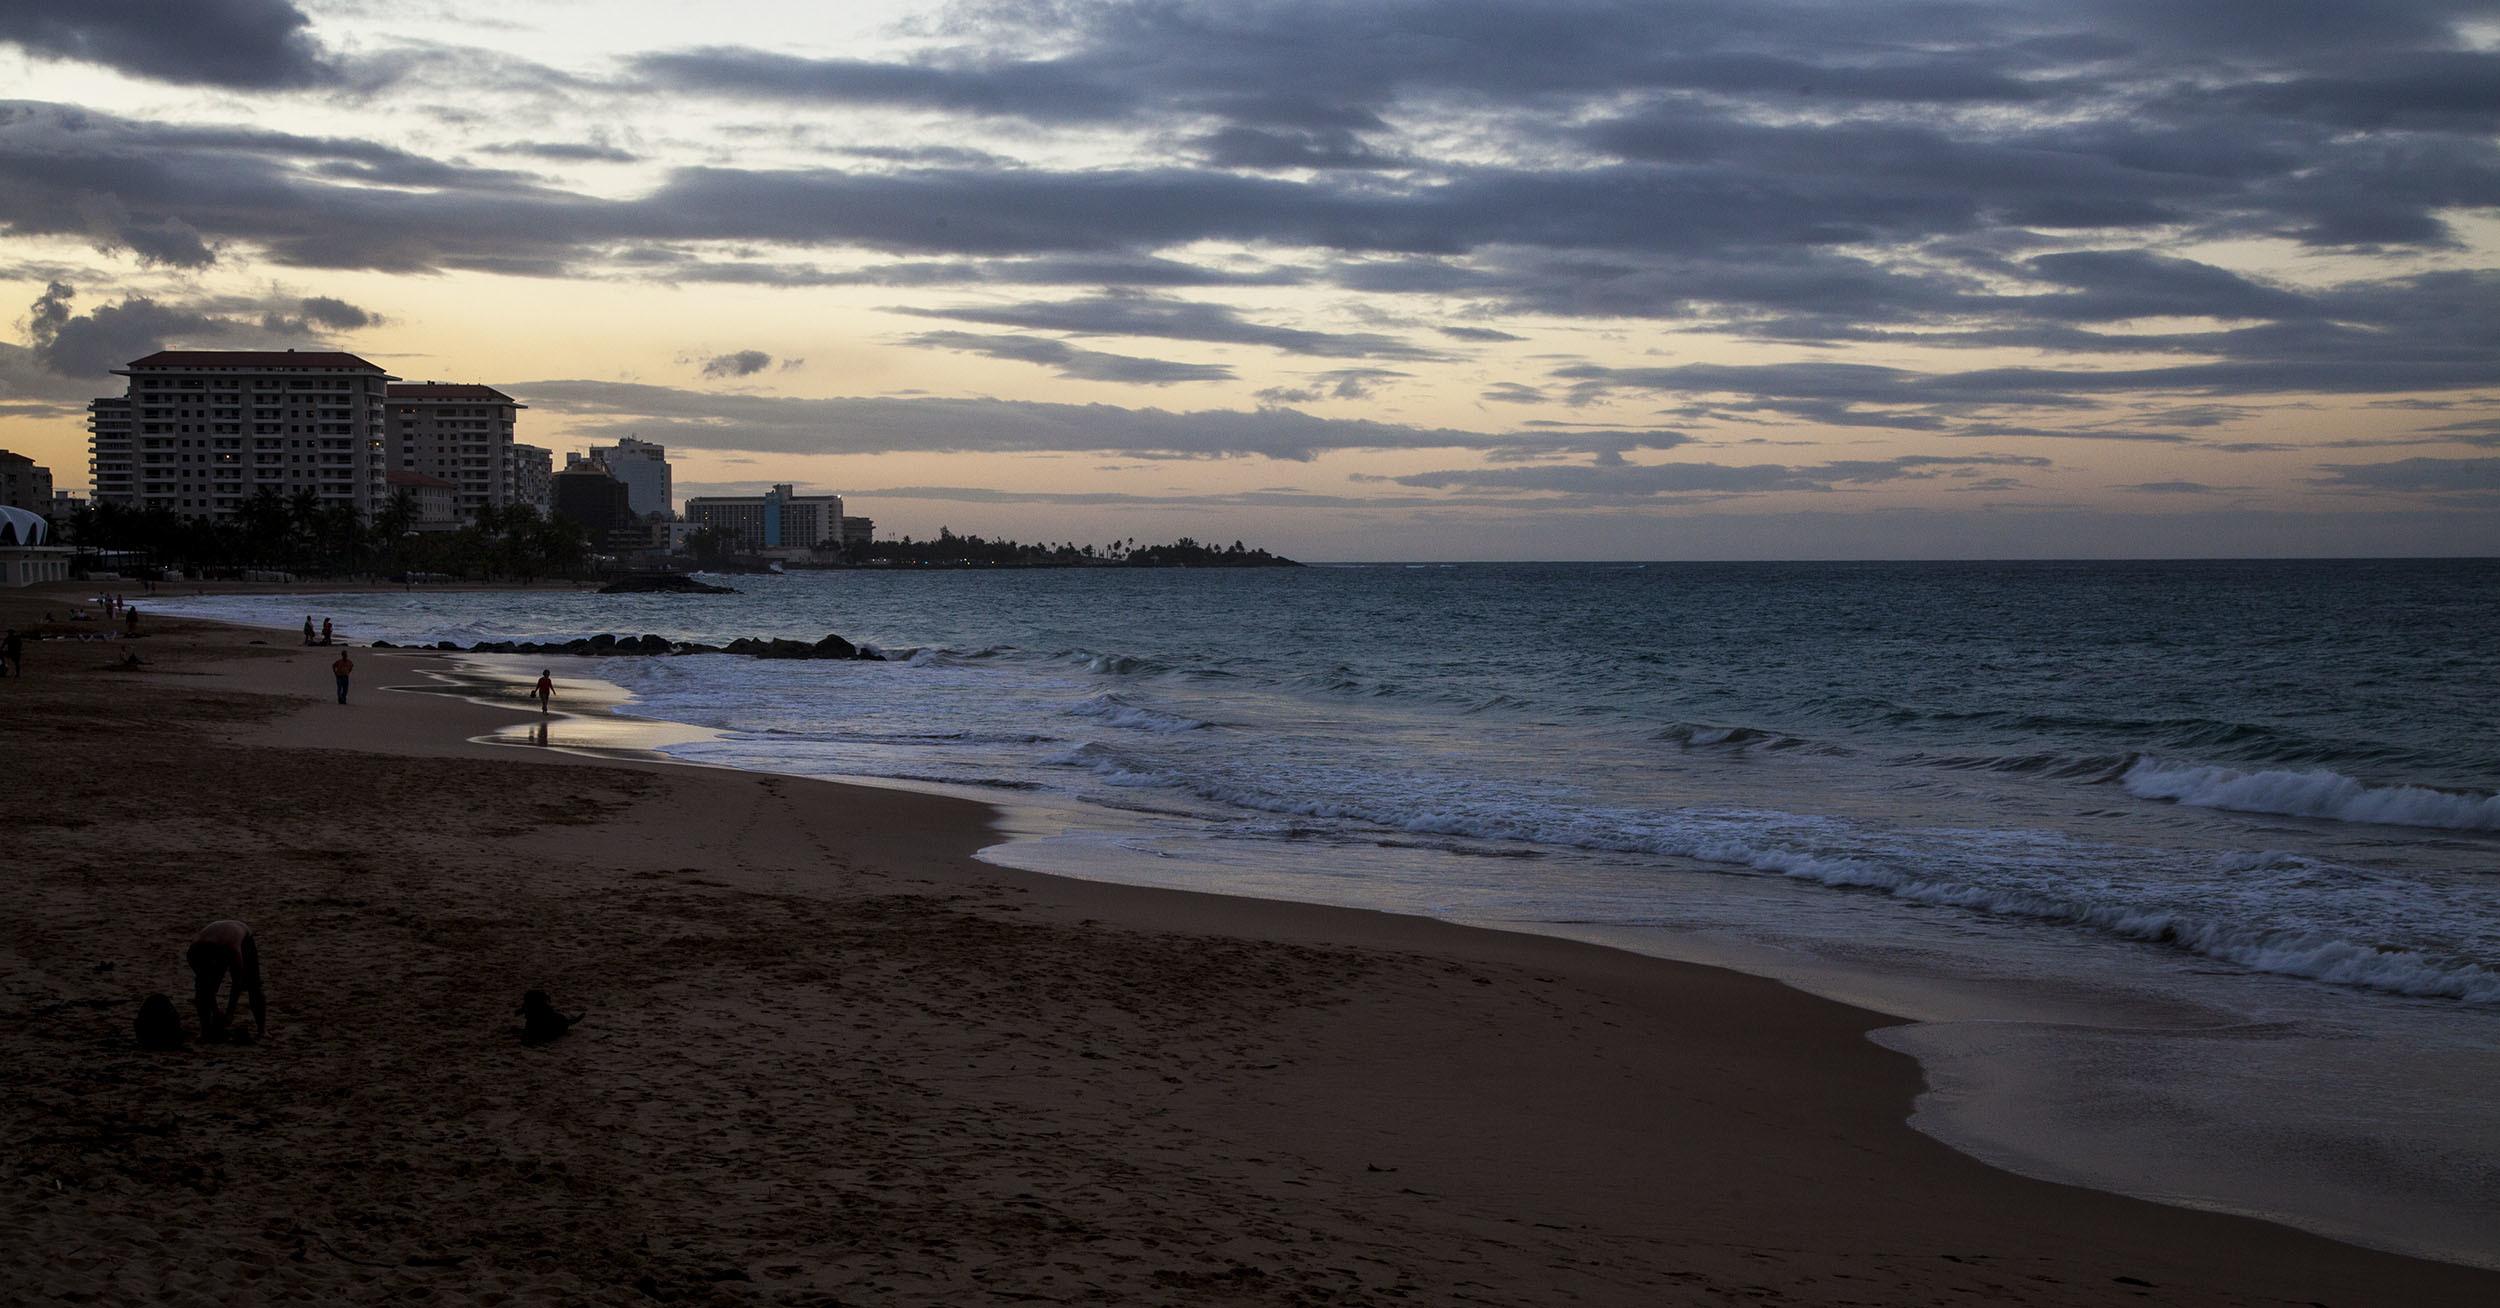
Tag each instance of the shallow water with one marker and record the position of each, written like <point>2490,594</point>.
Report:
<point>2190,872</point>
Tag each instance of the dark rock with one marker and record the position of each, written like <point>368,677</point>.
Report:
<point>158,1025</point>
<point>379,644</point>
<point>603,642</point>
<point>744,645</point>
<point>662,583</point>
<point>869,655</point>
<point>834,647</point>
<point>786,649</point>
<point>697,647</point>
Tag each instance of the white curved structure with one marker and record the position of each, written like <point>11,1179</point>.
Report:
<point>23,528</point>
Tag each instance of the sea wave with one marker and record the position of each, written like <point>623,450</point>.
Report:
<point>1114,711</point>
<point>1747,839</point>
<point>2315,793</point>
<point>1702,735</point>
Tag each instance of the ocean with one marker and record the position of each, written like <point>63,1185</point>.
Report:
<point>2185,875</point>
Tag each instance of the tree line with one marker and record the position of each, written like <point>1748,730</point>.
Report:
<point>301,534</point>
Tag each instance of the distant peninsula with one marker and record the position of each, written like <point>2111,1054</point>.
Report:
<point>949,550</point>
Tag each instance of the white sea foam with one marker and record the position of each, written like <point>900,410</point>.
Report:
<point>2317,793</point>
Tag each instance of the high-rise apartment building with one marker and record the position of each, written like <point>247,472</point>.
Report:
<point>209,429</point>
<point>530,471</point>
<point>112,466</point>
<point>458,432</point>
<point>643,467</point>
<point>24,483</point>
<point>780,519</point>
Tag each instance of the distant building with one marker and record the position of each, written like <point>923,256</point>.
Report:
<point>24,483</point>
<point>587,494</point>
<point>529,471</point>
<point>643,467</point>
<point>458,432</point>
<point>780,519</point>
<point>858,533</point>
<point>66,503</point>
<point>436,501</point>
<point>112,465</point>
<point>209,429</point>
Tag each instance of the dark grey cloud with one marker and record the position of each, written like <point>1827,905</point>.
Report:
<point>873,425</point>
<point>242,45</point>
<point>739,363</point>
<point>1239,146</point>
<point>1334,384</point>
<point>1045,90</point>
<point>91,345</point>
<point>1137,314</point>
<point>2179,488</point>
<point>1069,361</point>
<point>2416,476</point>
<point>1482,334</point>
<point>1647,481</point>
<point>564,151</point>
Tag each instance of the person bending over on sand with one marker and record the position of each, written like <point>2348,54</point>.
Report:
<point>224,949</point>
<point>546,688</point>
<point>341,669</point>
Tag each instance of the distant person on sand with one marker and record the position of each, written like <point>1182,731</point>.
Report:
<point>224,949</point>
<point>13,654</point>
<point>308,631</point>
<point>546,688</point>
<point>342,669</point>
<point>325,631</point>
<point>131,623</point>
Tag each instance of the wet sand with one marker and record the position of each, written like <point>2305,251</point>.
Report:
<point>832,1058</point>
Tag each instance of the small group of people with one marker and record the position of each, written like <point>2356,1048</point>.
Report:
<point>323,639</point>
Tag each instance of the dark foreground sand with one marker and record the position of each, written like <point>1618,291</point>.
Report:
<point>832,1059</point>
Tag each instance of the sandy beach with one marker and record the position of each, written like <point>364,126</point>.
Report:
<point>830,1057</point>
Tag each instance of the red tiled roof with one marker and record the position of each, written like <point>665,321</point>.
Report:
<point>403,477</point>
<point>254,359</point>
<point>447,391</point>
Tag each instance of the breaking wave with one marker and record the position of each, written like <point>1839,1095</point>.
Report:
<point>2316,793</point>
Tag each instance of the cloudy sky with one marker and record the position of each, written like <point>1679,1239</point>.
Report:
<point>1405,279</point>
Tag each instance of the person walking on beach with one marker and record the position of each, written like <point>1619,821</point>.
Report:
<point>221,950</point>
<point>341,669</point>
<point>546,689</point>
<point>325,631</point>
<point>13,654</point>
<point>308,631</point>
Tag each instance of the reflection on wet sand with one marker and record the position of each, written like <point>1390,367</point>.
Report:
<point>598,729</point>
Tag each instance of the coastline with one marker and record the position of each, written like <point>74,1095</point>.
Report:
<point>1182,1095</point>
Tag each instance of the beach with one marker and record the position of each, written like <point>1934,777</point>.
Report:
<point>831,1057</point>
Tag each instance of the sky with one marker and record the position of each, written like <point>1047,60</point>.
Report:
<point>1464,279</point>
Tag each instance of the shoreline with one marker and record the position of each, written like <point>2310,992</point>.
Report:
<point>1357,1039</point>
